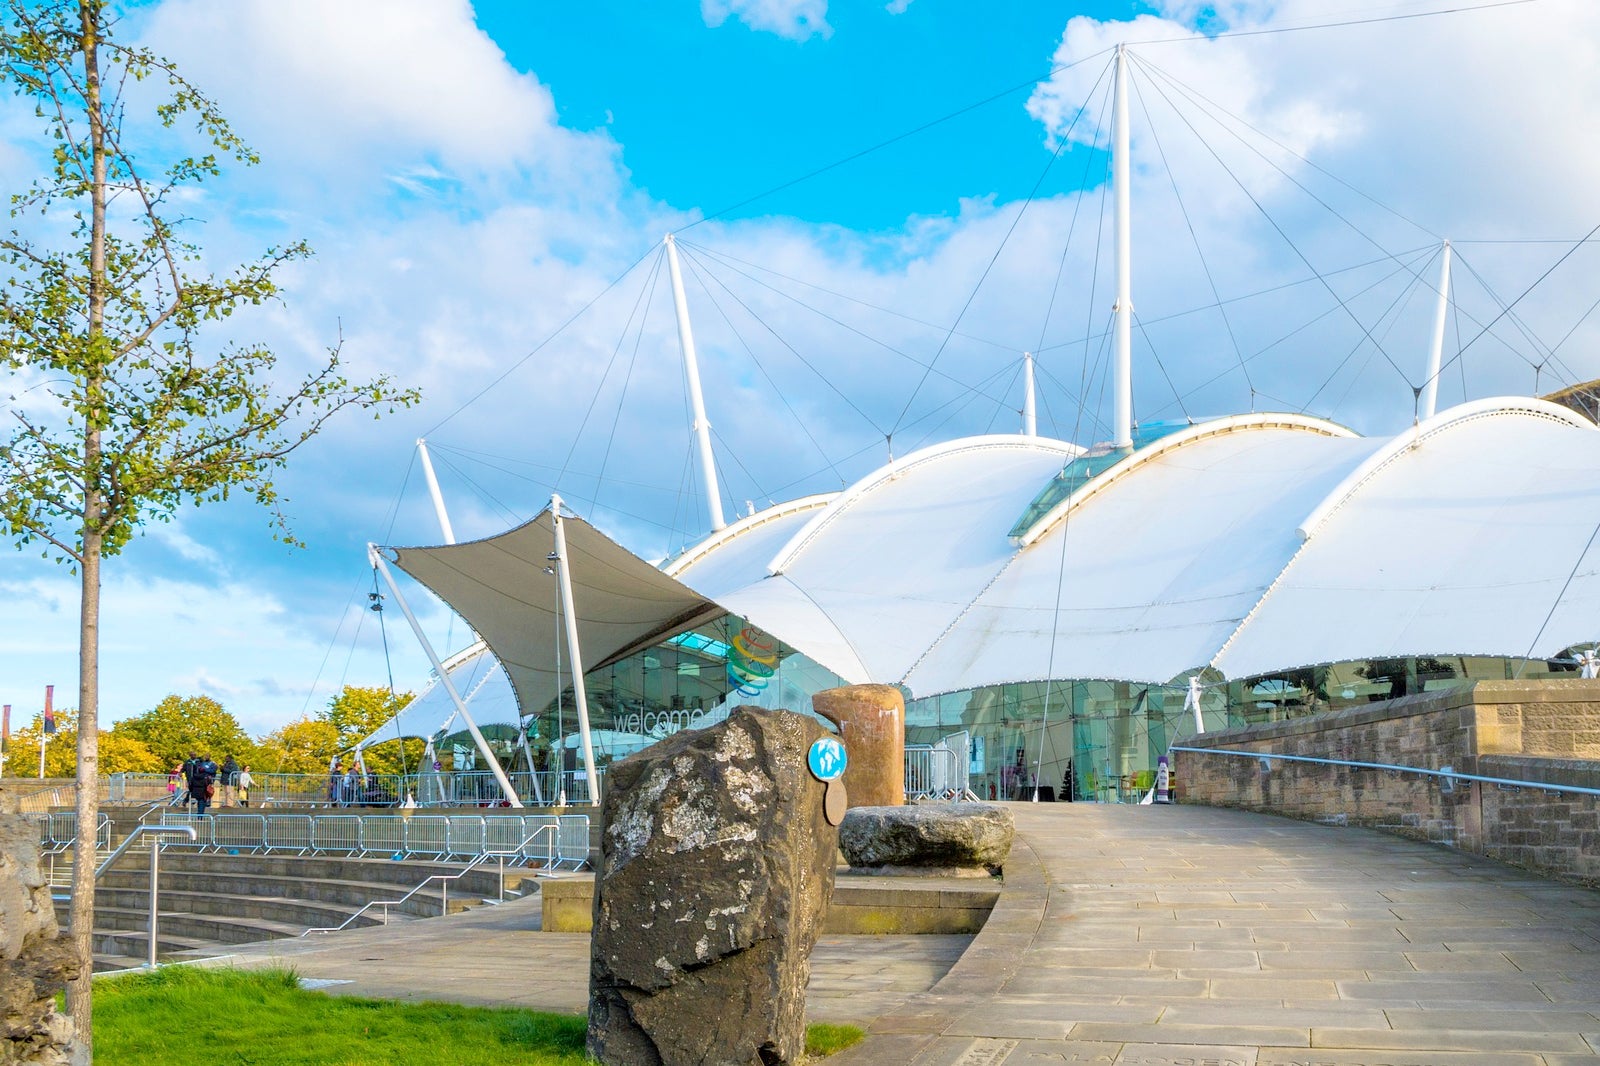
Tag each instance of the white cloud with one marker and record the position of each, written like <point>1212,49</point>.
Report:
<point>897,7</point>
<point>412,87</point>
<point>797,20</point>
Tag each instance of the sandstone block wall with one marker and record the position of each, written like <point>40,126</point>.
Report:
<point>1538,732</point>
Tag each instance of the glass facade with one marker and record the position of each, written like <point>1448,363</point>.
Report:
<point>1092,740</point>
<point>686,682</point>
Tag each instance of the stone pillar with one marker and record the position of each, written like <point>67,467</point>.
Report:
<point>872,723</point>
<point>716,867</point>
<point>35,963</point>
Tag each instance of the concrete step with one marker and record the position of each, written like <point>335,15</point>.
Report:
<point>212,928</point>
<point>132,944</point>
<point>243,885</point>
<point>305,914</point>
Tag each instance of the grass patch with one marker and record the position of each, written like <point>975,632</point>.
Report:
<point>826,1039</point>
<point>182,1014</point>
<point>264,1018</point>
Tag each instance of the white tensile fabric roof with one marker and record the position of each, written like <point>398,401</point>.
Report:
<point>501,586</point>
<point>1247,544</point>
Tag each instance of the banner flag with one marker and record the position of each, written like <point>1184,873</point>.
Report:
<point>5,727</point>
<point>49,709</point>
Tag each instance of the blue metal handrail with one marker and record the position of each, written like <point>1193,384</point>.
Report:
<point>1455,775</point>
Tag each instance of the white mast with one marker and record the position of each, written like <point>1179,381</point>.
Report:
<point>1030,422</point>
<point>691,365</point>
<point>1123,310</point>
<point>433,490</point>
<point>1430,387</point>
<point>579,695</point>
<point>376,558</point>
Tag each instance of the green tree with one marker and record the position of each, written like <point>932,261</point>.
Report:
<point>304,746</point>
<point>60,747</point>
<point>179,725</point>
<point>118,754</point>
<point>357,712</point>
<point>128,415</point>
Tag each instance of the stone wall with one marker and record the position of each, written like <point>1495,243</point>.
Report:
<point>35,963</point>
<point>1540,732</point>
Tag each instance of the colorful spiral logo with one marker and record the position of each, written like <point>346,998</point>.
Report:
<point>752,660</point>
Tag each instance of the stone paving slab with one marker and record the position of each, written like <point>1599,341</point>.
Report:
<point>1195,937</point>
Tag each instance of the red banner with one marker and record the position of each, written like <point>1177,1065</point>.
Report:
<point>49,709</point>
<point>5,727</point>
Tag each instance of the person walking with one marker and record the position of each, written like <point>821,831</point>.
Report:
<point>202,781</point>
<point>230,782</point>
<point>246,783</point>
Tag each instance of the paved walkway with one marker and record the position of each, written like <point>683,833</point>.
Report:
<point>1138,936</point>
<point>1185,936</point>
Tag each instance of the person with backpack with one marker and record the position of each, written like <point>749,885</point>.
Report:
<point>230,782</point>
<point>202,781</point>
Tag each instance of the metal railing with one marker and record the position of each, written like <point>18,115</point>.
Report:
<point>155,831</point>
<point>398,835</point>
<point>938,771</point>
<point>467,788</point>
<point>1446,772</point>
<point>548,831</point>
<point>42,800</point>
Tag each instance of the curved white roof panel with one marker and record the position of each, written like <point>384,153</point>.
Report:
<point>480,681</point>
<point>1465,538</point>
<point>1146,576</point>
<point>899,555</point>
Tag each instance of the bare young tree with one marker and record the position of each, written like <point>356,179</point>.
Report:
<point>103,303</point>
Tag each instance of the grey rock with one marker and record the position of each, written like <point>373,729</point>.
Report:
<point>973,836</point>
<point>716,867</point>
<point>35,963</point>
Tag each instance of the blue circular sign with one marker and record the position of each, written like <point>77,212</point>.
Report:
<point>827,759</point>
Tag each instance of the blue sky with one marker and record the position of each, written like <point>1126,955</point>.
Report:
<point>472,175</point>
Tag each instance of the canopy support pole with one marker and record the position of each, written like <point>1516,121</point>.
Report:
<point>376,557</point>
<point>533,774</point>
<point>697,403</point>
<point>433,490</point>
<point>1030,420</point>
<point>1430,387</point>
<point>1123,310</point>
<point>579,695</point>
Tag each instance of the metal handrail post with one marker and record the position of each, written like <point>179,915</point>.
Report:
<point>155,893</point>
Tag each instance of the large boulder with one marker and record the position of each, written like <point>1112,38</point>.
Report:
<point>949,838</point>
<point>716,867</point>
<point>35,963</point>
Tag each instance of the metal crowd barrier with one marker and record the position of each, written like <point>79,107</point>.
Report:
<point>557,840</point>
<point>934,772</point>
<point>58,830</point>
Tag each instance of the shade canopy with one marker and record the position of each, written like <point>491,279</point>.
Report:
<point>506,588</point>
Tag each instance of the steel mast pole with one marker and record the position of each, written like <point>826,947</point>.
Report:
<point>691,366</point>
<point>433,491</point>
<point>1430,388</point>
<point>1030,421</point>
<point>579,695</point>
<point>1123,310</point>
<point>376,557</point>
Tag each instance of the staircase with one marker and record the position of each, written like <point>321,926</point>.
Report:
<point>209,901</point>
